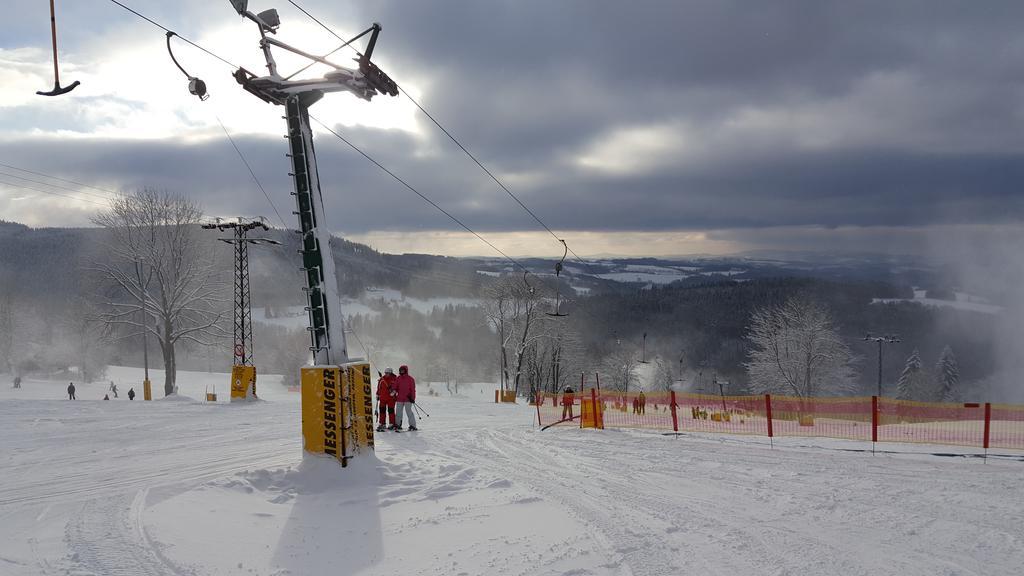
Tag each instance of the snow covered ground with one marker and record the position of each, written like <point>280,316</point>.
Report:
<point>963,301</point>
<point>174,487</point>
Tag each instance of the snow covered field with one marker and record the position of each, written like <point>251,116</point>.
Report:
<point>175,487</point>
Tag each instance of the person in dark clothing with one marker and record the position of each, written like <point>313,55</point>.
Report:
<point>71,391</point>
<point>106,396</point>
<point>17,381</point>
<point>131,393</point>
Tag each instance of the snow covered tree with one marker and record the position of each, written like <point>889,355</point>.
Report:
<point>913,383</point>
<point>620,366</point>
<point>797,351</point>
<point>157,261</point>
<point>663,374</point>
<point>947,375</point>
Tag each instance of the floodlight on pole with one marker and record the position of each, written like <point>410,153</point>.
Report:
<point>887,339</point>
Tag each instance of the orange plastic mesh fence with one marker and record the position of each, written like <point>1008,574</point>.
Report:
<point>848,418</point>
<point>650,410</point>
<point>933,423</point>
<point>962,424</point>
<point>731,414</point>
<point>1007,426</point>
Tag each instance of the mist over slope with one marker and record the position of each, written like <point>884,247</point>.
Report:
<point>431,311</point>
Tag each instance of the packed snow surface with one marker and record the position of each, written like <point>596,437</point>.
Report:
<point>184,487</point>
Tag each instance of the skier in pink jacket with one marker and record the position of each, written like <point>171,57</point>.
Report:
<point>406,386</point>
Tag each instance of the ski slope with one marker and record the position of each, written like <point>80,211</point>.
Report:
<point>182,487</point>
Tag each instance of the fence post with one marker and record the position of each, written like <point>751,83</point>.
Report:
<point>537,402</point>
<point>988,425</point>
<point>675,417</point>
<point>874,422</point>
<point>768,413</point>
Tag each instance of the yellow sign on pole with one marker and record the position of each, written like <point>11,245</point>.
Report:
<point>147,390</point>
<point>591,413</point>
<point>243,383</point>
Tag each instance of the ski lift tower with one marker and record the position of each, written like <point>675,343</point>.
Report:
<point>333,375</point>
<point>243,372</point>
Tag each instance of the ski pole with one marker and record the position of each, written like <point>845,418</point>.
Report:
<point>421,410</point>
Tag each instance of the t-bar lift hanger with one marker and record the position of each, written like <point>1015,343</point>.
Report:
<point>57,89</point>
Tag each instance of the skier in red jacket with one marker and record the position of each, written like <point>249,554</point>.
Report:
<point>568,398</point>
<point>406,387</point>
<point>386,393</point>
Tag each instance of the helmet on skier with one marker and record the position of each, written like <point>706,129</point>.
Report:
<point>388,370</point>
<point>403,369</point>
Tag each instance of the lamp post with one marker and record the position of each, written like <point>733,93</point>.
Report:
<point>143,297</point>
<point>888,339</point>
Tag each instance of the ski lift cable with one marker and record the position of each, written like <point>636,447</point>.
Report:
<point>412,189</point>
<point>449,135</point>
<point>166,29</point>
<point>251,173</point>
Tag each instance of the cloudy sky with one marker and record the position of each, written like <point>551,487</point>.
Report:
<point>630,128</point>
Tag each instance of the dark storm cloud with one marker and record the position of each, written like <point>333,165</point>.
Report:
<point>787,114</point>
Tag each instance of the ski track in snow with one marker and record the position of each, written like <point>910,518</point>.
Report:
<point>93,488</point>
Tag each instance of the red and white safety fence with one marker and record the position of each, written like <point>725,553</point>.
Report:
<point>868,418</point>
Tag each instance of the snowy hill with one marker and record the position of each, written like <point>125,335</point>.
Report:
<point>168,488</point>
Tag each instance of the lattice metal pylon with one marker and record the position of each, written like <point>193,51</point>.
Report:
<point>242,329</point>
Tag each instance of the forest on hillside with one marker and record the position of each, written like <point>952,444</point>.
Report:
<point>695,331</point>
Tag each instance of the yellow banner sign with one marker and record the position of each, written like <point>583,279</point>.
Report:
<point>322,413</point>
<point>243,383</point>
<point>360,386</point>
<point>337,410</point>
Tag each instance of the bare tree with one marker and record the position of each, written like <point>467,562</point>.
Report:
<point>163,278</point>
<point>514,311</point>
<point>797,351</point>
<point>7,328</point>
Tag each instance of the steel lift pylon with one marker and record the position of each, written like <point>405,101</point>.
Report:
<point>327,334</point>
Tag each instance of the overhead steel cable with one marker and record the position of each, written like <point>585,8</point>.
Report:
<point>65,188</point>
<point>52,177</point>
<point>166,29</point>
<point>33,189</point>
<point>448,134</point>
<point>251,173</point>
<point>412,189</point>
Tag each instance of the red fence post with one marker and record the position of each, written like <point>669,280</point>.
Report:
<point>988,422</point>
<point>675,418</point>
<point>768,413</point>
<point>874,418</point>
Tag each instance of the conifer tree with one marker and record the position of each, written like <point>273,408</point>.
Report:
<point>907,387</point>
<point>947,375</point>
